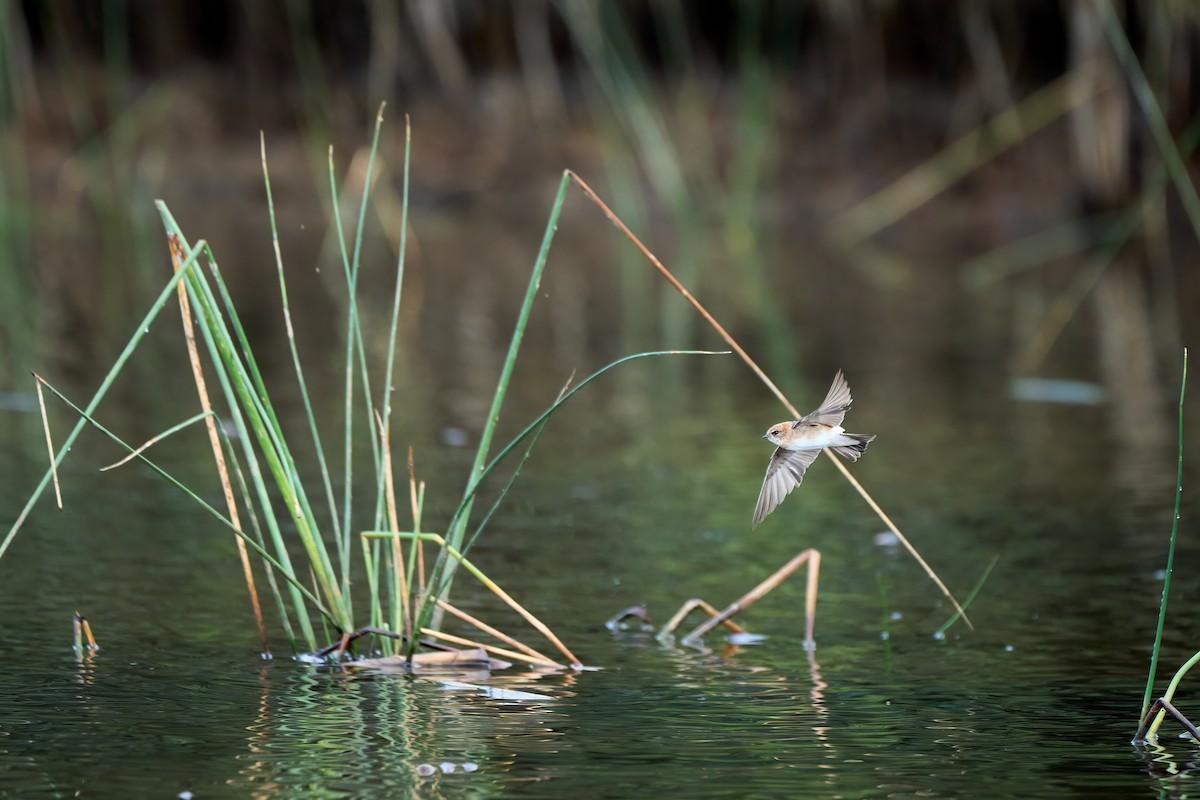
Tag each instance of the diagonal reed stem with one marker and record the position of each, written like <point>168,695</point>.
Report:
<point>762,376</point>
<point>489,630</point>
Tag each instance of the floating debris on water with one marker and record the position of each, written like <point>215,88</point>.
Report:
<point>445,767</point>
<point>745,637</point>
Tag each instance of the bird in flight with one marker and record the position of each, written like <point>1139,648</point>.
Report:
<point>799,442</point>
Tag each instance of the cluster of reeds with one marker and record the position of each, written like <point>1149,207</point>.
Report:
<point>269,505</point>
<point>265,489</point>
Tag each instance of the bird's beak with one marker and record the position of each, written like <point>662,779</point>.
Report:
<point>766,436</point>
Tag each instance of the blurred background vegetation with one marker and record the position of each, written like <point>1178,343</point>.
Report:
<point>932,187</point>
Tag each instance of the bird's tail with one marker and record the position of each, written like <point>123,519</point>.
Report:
<point>855,445</point>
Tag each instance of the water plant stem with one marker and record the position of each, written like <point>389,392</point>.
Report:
<point>457,531</point>
<point>1162,604</point>
<point>762,376</point>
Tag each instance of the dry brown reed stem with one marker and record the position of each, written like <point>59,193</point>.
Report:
<point>531,619</point>
<point>210,422</point>
<point>394,521</point>
<point>690,606</point>
<point>49,443</point>
<point>812,557</point>
<point>762,376</point>
<point>490,631</point>
<point>500,651</point>
<point>84,630</point>
<point>414,501</point>
<point>137,451</point>
<point>87,633</point>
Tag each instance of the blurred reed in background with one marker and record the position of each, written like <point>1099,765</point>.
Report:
<point>887,150</point>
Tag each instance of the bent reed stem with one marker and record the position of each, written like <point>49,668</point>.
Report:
<point>762,376</point>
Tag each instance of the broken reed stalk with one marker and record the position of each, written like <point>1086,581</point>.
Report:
<point>415,494</point>
<point>214,439</point>
<point>812,558</point>
<point>83,630</point>
<point>1162,706</point>
<point>500,651</point>
<point>762,376</point>
<point>453,553</point>
<point>490,631</point>
<point>399,575</point>
<point>687,608</point>
<point>49,441</point>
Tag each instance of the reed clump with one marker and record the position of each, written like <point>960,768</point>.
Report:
<point>312,549</point>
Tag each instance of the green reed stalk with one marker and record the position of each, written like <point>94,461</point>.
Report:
<point>1162,605</point>
<point>393,330</point>
<point>444,571</point>
<point>966,603</point>
<point>249,412</point>
<point>439,585</point>
<point>354,346</point>
<point>322,463</point>
<point>402,576</point>
<point>249,406</point>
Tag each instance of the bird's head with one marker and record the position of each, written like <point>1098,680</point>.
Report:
<point>776,433</point>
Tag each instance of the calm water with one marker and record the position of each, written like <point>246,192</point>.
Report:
<point>617,508</point>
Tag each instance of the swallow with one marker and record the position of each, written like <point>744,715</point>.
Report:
<point>799,442</point>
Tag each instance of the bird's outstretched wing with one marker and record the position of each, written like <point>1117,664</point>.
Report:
<point>833,410</point>
<point>784,473</point>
